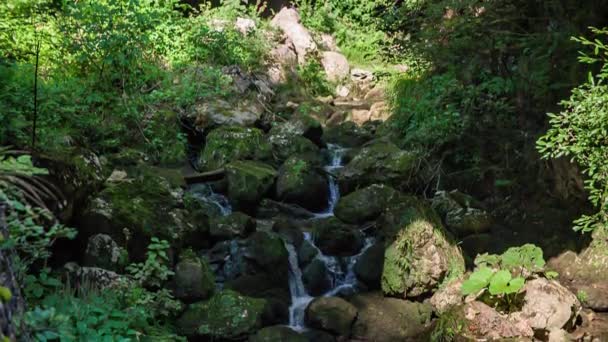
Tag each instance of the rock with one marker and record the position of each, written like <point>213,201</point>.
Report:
<point>245,25</point>
<point>336,66</point>
<point>226,316</point>
<point>300,182</point>
<point>548,305</point>
<point>469,221</point>
<point>360,116</point>
<point>277,333</point>
<point>245,113</point>
<point>284,60</point>
<point>315,278</point>
<point>289,230</point>
<point>376,94</point>
<point>369,266</point>
<point>365,204</point>
<point>331,314</point>
<point>336,238</point>
<point>268,287</point>
<point>268,251</point>
<point>363,79</point>
<point>249,181</point>
<point>379,111</point>
<point>347,134</point>
<point>447,296</point>
<point>423,255</point>
<point>342,91</point>
<point>97,278</point>
<point>103,252</point>
<point>193,279</point>
<point>314,335</point>
<point>381,163</point>
<point>587,272</point>
<point>327,42</point>
<point>287,145</point>
<point>306,253</point>
<point>302,125</point>
<point>476,320</point>
<point>235,225</point>
<point>389,319</point>
<point>231,143</point>
<point>288,20</point>
<point>271,209</point>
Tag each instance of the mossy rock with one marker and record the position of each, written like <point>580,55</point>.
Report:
<point>269,287</point>
<point>300,182</point>
<point>378,163</point>
<point>228,315</point>
<point>277,333</point>
<point>300,124</point>
<point>269,252</point>
<point>249,181</point>
<point>229,143</point>
<point>332,314</point>
<point>337,238</point>
<point>365,204</point>
<point>369,266</point>
<point>422,256</point>
<point>315,278</point>
<point>285,145</point>
<point>193,279</point>
<point>235,225</point>
<point>347,134</point>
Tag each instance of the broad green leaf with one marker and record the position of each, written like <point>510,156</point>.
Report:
<point>477,281</point>
<point>499,282</point>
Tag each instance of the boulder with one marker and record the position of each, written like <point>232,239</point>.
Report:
<point>383,319</point>
<point>268,287</point>
<point>245,25</point>
<point>369,266</point>
<point>360,116</point>
<point>246,112</point>
<point>103,252</point>
<point>306,253</point>
<point>300,124</point>
<point>336,238</point>
<point>285,145</point>
<point>365,204</point>
<point>336,66</point>
<point>300,182</point>
<point>235,225</point>
<point>231,143</point>
<point>193,279</point>
<point>315,278</point>
<point>381,163</point>
<point>548,305</point>
<point>327,42</point>
<point>269,209</point>
<point>268,251</point>
<point>288,21</point>
<point>97,278</point>
<point>347,134</point>
<point>249,181</point>
<point>469,221</point>
<point>278,333</point>
<point>423,255</point>
<point>226,316</point>
<point>331,314</point>
<point>447,296</point>
<point>379,111</point>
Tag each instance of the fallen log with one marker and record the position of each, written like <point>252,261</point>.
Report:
<point>202,177</point>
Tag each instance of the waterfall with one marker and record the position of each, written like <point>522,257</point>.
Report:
<point>215,201</point>
<point>299,297</point>
<point>336,153</point>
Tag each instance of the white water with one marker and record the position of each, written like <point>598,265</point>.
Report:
<point>204,193</point>
<point>340,270</point>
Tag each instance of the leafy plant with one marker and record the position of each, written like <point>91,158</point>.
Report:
<point>312,77</point>
<point>154,271</point>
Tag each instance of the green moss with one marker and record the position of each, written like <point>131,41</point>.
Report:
<point>449,326</point>
<point>392,274</point>
<point>230,143</point>
<point>249,181</point>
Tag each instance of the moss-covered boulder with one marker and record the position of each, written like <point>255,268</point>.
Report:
<point>422,256</point>
<point>301,182</point>
<point>230,143</point>
<point>300,124</point>
<point>279,333</point>
<point>365,204</point>
<point>249,181</point>
<point>378,163</point>
<point>193,280</point>
<point>347,134</point>
<point>461,213</point>
<point>268,251</point>
<point>228,315</point>
<point>369,266</point>
<point>315,278</point>
<point>337,238</point>
<point>332,314</point>
<point>285,145</point>
<point>384,319</point>
<point>103,252</point>
<point>265,285</point>
<point>235,225</point>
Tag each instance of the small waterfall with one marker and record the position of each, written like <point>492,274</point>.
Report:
<point>336,153</point>
<point>299,297</point>
<point>216,202</point>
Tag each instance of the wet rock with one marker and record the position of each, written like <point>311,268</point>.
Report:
<point>476,320</point>
<point>365,204</point>
<point>548,305</point>
<point>277,333</point>
<point>285,145</point>
<point>289,230</point>
<point>268,251</point>
<point>423,254</point>
<point>378,163</point>
<point>288,20</point>
<point>103,252</point>
<point>369,266</point>
<point>314,335</point>
<point>270,209</point>
<point>231,143</point>
<point>235,225</point>
<point>447,296</point>
<point>331,314</point>
<point>389,319</point>
<point>336,238</point>
<point>301,182</point>
<point>268,287</point>
<point>249,181</point>
<point>226,316</point>
<point>336,66</point>
<point>306,253</point>
<point>193,279</point>
<point>347,134</point>
<point>315,278</point>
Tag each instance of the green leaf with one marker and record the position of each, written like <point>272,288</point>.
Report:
<point>477,281</point>
<point>499,282</point>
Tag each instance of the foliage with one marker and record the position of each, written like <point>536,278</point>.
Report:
<point>580,132</point>
<point>154,271</point>
<point>312,77</point>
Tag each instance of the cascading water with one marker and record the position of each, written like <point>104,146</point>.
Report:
<point>216,202</point>
<point>340,270</point>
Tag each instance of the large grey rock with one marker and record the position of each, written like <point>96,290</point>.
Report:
<point>315,278</point>
<point>103,252</point>
<point>335,65</point>
<point>548,305</point>
<point>331,314</point>
<point>193,280</point>
<point>288,20</point>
